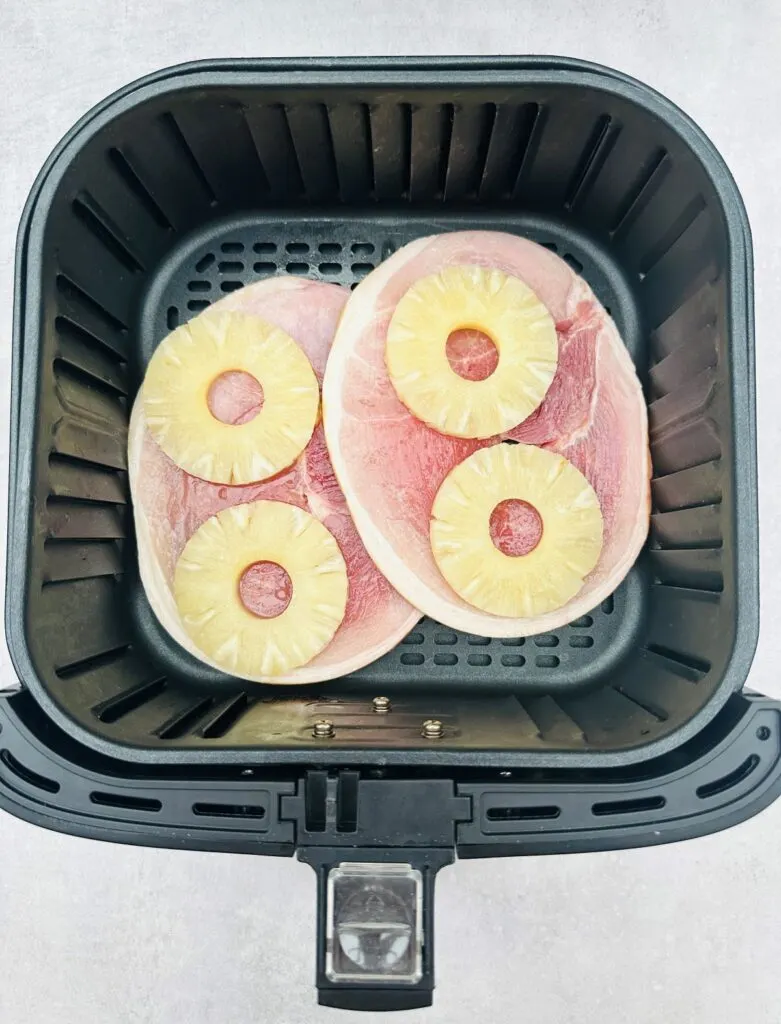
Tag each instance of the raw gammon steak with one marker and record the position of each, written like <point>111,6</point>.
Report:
<point>170,505</point>
<point>391,465</point>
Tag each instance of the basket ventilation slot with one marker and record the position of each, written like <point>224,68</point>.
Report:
<point>75,295</point>
<point>125,802</point>
<point>135,185</point>
<point>726,782</point>
<point>122,704</point>
<point>532,812</point>
<point>229,810</point>
<point>27,774</point>
<point>636,806</point>
<point>184,721</point>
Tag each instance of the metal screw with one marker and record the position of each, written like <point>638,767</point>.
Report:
<point>381,705</point>
<point>323,730</point>
<point>432,729</point>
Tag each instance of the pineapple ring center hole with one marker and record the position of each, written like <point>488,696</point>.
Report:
<point>471,353</point>
<point>265,589</point>
<point>235,397</point>
<point>515,527</point>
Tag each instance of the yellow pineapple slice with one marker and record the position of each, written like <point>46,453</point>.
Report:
<point>483,299</point>
<point>176,398</point>
<point>517,586</point>
<point>208,577</point>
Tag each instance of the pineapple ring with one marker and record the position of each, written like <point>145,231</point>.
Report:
<point>207,583</point>
<point>516,586</point>
<point>488,300</point>
<point>176,398</point>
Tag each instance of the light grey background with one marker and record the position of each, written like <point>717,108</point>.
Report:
<point>98,933</point>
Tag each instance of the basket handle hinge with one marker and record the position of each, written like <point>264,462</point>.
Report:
<point>347,809</point>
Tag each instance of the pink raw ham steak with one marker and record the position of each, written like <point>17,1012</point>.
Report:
<point>390,465</point>
<point>170,505</point>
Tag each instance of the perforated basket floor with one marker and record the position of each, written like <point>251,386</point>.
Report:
<point>226,258</point>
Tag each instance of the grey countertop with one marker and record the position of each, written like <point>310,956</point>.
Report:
<point>92,932</point>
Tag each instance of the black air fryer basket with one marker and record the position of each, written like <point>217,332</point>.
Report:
<point>629,726</point>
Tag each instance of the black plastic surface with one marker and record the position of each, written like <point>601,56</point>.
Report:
<point>729,772</point>
<point>358,154</point>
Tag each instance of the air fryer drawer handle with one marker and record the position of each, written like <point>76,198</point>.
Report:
<point>375,926</point>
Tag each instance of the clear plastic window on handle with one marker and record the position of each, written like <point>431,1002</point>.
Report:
<point>374,923</point>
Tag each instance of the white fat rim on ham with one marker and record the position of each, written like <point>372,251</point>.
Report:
<point>453,611</point>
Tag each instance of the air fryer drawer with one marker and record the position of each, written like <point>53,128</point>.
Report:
<point>198,180</point>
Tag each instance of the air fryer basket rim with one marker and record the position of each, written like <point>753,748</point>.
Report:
<point>387,73</point>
